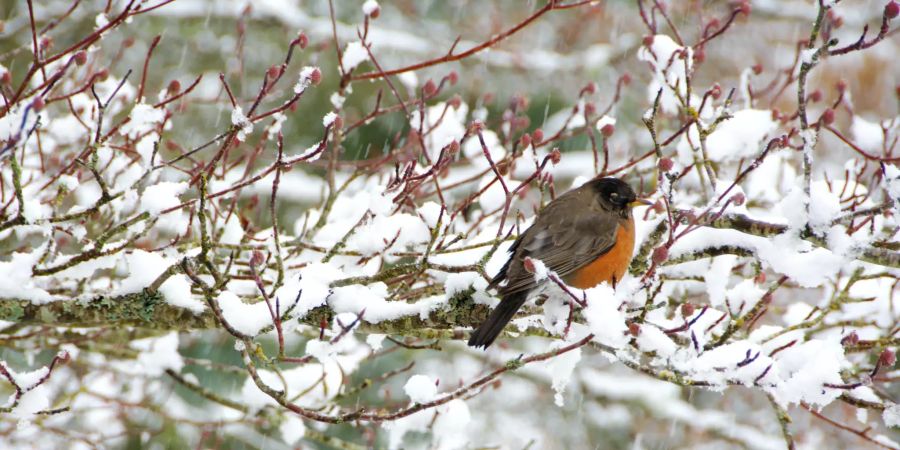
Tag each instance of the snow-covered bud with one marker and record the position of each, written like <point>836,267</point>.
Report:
<point>555,156</point>
<point>372,9</point>
<point>537,135</point>
<point>607,130</point>
<point>687,310</point>
<point>430,88</point>
<point>660,255</point>
<point>892,9</point>
<point>455,101</point>
<point>887,358</point>
<point>80,57</point>
<point>665,164</point>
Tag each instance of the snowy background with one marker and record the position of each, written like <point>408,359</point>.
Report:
<point>271,224</point>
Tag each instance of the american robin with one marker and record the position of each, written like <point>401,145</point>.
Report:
<point>586,236</point>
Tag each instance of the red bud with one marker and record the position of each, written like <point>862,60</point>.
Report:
<point>528,264</point>
<point>815,96</point>
<point>174,87</point>
<point>887,358</point>
<point>892,9</point>
<point>537,135</point>
<point>660,255</point>
<point>687,310</point>
<point>315,76</point>
<point>430,88</point>
<point>607,130</point>
<point>841,85</point>
<point>555,156</point>
<point>828,116</point>
<point>525,140</point>
<point>302,40</point>
<point>80,57</point>
<point>273,72</point>
<point>634,329</point>
<point>453,78</point>
<point>665,164</point>
<point>850,339</point>
<point>257,258</point>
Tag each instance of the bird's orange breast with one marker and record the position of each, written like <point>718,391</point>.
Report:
<point>609,267</point>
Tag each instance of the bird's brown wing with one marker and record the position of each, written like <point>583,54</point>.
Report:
<point>567,235</point>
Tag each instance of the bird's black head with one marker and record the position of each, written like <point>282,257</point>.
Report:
<point>614,194</point>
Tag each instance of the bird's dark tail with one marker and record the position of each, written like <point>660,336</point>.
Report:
<point>484,335</point>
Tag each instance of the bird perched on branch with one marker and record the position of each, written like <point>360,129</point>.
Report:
<point>586,236</point>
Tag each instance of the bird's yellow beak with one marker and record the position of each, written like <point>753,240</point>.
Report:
<point>640,202</point>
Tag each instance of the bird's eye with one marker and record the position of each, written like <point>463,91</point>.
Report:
<point>614,196</point>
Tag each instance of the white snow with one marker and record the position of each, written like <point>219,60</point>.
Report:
<point>242,122</point>
<point>420,388</point>
<point>354,54</point>
<point>161,196</point>
<point>143,119</point>
<point>369,7</point>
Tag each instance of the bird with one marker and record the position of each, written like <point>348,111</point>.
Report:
<point>586,236</point>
